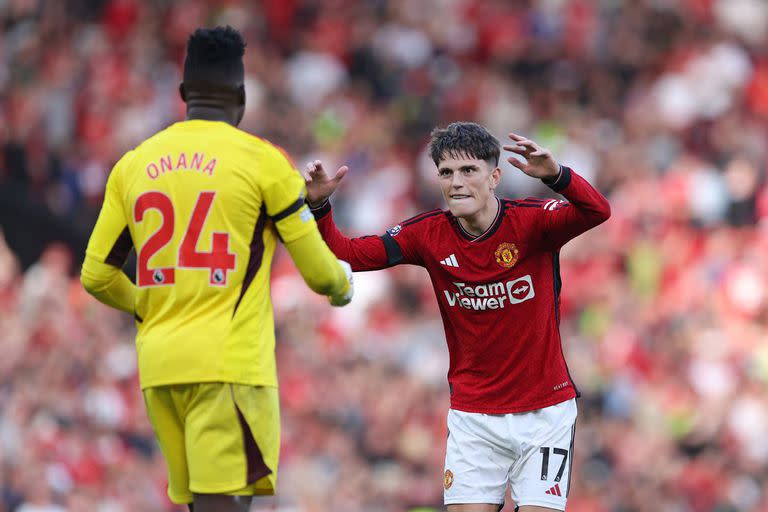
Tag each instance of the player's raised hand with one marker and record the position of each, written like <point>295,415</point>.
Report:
<point>320,186</point>
<point>539,161</point>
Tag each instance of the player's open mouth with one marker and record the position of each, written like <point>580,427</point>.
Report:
<point>459,196</point>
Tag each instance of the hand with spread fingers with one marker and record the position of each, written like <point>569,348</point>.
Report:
<point>538,163</point>
<point>320,186</point>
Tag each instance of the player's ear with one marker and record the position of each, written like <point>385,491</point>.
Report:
<point>495,178</point>
<point>182,92</point>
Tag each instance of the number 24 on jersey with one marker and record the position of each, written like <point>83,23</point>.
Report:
<point>219,261</point>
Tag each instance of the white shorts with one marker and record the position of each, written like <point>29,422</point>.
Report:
<point>530,451</point>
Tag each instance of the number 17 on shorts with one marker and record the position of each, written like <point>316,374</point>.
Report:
<point>531,452</point>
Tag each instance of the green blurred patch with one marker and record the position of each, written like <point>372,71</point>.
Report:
<point>595,320</point>
<point>644,269</point>
<point>328,127</point>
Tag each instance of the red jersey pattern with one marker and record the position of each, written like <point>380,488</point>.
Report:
<point>498,292</point>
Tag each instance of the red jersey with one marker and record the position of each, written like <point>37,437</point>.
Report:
<point>498,292</point>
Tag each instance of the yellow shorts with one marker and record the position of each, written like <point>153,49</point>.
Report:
<point>217,438</point>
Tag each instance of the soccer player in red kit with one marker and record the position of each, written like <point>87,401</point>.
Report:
<point>494,266</point>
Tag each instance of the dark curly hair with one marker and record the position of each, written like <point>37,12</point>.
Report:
<point>464,139</point>
<point>215,55</point>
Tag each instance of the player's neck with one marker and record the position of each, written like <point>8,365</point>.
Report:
<point>482,220</point>
<point>207,113</point>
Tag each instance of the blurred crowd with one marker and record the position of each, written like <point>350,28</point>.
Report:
<point>663,105</point>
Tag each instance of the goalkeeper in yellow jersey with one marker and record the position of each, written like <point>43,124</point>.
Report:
<point>204,204</point>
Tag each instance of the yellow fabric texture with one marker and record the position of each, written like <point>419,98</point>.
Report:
<point>314,259</point>
<point>203,203</point>
<point>108,284</point>
<point>202,438</point>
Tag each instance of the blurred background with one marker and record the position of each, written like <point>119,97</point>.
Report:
<point>662,104</point>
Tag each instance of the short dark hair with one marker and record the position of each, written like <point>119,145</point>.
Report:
<point>215,56</point>
<point>464,139</point>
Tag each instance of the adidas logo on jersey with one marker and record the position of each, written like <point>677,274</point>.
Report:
<point>450,261</point>
<point>555,491</point>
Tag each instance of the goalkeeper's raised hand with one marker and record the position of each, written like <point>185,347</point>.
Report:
<point>320,186</point>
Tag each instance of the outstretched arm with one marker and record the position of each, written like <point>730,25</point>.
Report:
<point>284,201</point>
<point>363,253</point>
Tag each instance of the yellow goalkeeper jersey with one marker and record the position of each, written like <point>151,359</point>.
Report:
<point>202,203</point>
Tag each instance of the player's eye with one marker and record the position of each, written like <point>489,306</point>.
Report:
<point>444,173</point>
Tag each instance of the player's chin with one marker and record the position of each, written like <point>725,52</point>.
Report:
<point>461,210</point>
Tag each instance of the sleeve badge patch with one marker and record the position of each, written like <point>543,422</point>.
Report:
<point>395,230</point>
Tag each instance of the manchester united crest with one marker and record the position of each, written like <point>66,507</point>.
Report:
<point>448,479</point>
<point>506,254</point>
